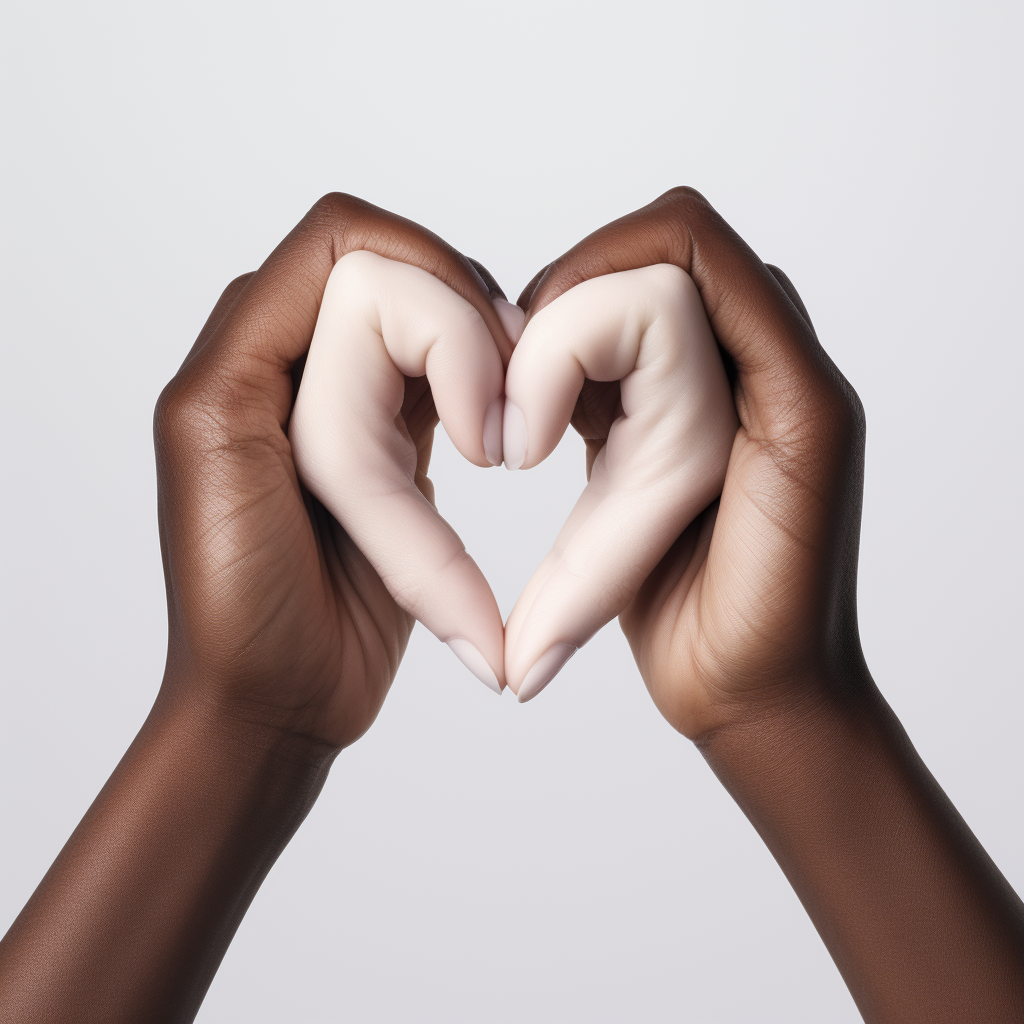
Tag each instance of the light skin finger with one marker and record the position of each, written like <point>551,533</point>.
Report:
<point>796,462</point>
<point>664,460</point>
<point>746,636</point>
<point>382,322</point>
<point>784,377</point>
<point>269,325</point>
<point>230,403</point>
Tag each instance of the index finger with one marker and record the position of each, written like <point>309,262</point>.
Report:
<point>245,365</point>
<point>783,374</point>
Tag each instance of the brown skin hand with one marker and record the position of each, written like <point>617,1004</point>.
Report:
<point>756,600</point>
<point>746,636</point>
<point>274,613</point>
<point>283,643</point>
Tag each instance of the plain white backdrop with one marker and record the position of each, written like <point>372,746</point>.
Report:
<point>472,860</point>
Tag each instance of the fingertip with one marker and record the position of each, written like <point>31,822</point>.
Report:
<point>544,669</point>
<point>468,654</point>
<point>513,319</point>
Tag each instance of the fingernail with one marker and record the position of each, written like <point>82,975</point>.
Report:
<point>493,419</point>
<point>514,436</point>
<point>512,318</point>
<point>547,666</point>
<point>475,662</point>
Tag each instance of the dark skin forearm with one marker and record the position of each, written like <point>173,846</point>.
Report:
<point>918,919</point>
<point>282,644</point>
<point>133,918</point>
<point>746,635</point>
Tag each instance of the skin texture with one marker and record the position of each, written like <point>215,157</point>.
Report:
<point>663,463</point>
<point>720,626</point>
<point>666,460</point>
<point>746,636</point>
<point>315,638</point>
<point>381,320</point>
<point>283,642</point>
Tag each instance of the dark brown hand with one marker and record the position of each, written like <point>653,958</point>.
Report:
<point>282,645</point>
<point>746,636</point>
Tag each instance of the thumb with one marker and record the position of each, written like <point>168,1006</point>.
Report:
<point>380,322</point>
<point>663,463</point>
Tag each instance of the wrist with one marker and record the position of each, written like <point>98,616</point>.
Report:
<point>888,871</point>
<point>804,745</point>
<point>810,773</point>
<point>788,724</point>
<point>749,704</point>
<point>240,747</point>
<point>243,722</point>
<point>164,864</point>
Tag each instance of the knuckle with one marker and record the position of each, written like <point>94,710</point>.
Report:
<point>358,262</point>
<point>681,287</point>
<point>668,277</point>
<point>183,414</point>
<point>686,198</point>
<point>856,416</point>
<point>237,284</point>
<point>821,424</point>
<point>670,286</point>
<point>172,412</point>
<point>840,420</point>
<point>849,409</point>
<point>358,269</point>
<point>336,207</point>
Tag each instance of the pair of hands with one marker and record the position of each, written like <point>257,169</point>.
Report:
<point>276,615</point>
<point>284,641</point>
<point>663,462</point>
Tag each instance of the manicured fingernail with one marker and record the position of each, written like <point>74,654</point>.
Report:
<point>547,666</point>
<point>475,662</point>
<point>513,319</point>
<point>493,420</point>
<point>514,436</point>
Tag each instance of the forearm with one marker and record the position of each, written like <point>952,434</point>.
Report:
<point>918,919</point>
<point>133,918</point>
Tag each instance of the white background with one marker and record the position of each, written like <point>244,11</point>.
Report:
<point>472,860</point>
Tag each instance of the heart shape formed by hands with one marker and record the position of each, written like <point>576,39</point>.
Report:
<point>663,462</point>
